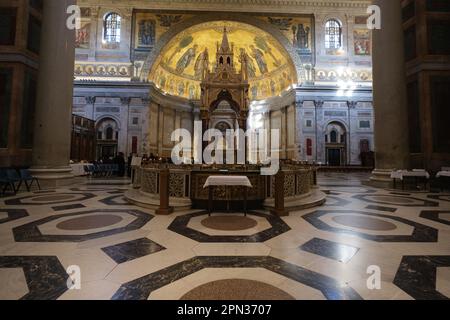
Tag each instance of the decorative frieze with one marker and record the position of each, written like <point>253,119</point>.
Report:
<point>340,114</point>
<point>332,75</point>
<point>107,70</point>
<point>283,6</point>
<point>107,109</point>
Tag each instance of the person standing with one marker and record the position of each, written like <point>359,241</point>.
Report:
<point>120,160</point>
<point>130,158</point>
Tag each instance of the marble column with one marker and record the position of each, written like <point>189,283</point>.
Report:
<point>283,132</point>
<point>197,140</point>
<point>52,132</point>
<point>298,131</point>
<point>389,94</point>
<point>124,134</point>
<point>320,137</point>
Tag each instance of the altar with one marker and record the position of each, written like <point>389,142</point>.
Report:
<point>186,187</point>
<point>223,196</point>
<point>240,183</point>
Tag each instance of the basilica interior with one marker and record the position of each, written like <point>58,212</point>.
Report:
<point>224,150</point>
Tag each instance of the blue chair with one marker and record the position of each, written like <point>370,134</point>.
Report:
<point>107,168</point>
<point>102,168</point>
<point>97,170</point>
<point>8,180</point>
<point>89,169</point>
<point>5,182</point>
<point>26,177</point>
<point>115,168</point>
<point>14,177</point>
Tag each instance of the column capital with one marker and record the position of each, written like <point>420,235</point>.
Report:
<point>94,11</point>
<point>146,100</point>
<point>196,113</point>
<point>128,12</point>
<point>125,100</point>
<point>299,104</point>
<point>319,104</point>
<point>90,100</point>
<point>352,104</point>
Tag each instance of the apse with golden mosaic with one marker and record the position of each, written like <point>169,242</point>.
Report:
<point>178,70</point>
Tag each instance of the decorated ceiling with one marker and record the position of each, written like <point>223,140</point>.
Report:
<point>177,69</point>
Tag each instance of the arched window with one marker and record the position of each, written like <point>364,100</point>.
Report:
<point>112,23</point>
<point>109,133</point>
<point>333,34</point>
<point>333,136</point>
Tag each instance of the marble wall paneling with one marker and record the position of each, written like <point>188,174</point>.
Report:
<point>169,126</point>
<point>276,123</point>
<point>154,123</point>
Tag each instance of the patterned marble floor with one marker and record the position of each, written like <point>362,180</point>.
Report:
<point>125,252</point>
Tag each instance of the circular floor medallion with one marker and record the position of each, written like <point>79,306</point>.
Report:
<point>229,223</point>
<point>89,222</point>
<point>237,289</point>
<point>366,223</point>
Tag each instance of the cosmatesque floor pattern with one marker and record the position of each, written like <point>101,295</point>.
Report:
<point>121,251</point>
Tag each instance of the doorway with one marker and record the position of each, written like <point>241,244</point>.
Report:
<point>336,144</point>
<point>334,157</point>
<point>108,151</point>
<point>107,138</point>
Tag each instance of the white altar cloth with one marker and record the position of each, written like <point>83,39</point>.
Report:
<point>228,181</point>
<point>78,169</point>
<point>403,173</point>
<point>443,174</point>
